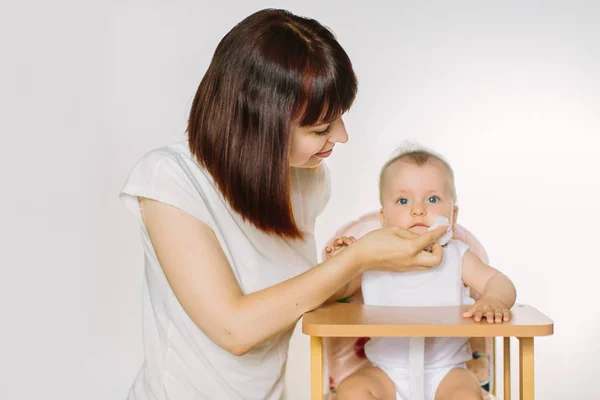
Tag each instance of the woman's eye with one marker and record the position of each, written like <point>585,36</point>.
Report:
<point>433,199</point>
<point>403,201</point>
<point>324,131</point>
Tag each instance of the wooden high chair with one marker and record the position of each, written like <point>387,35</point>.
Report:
<point>357,320</point>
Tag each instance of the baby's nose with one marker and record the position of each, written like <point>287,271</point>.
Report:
<point>418,211</point>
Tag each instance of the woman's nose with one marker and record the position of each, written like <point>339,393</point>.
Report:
<point>339,134</point>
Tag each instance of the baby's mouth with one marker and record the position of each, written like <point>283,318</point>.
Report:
<point>419,229</point>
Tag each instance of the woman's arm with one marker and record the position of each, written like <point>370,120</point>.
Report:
<point>201,278</point>
<point>347,290</point>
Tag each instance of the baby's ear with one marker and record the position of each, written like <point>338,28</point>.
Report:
<point>454,216</point>
<point>382,217</point>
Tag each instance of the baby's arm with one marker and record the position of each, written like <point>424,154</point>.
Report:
<point>498,294</point>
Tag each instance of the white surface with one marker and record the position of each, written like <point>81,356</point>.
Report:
<point>508,92</point>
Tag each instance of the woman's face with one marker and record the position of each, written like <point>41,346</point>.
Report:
<point>311,144</point>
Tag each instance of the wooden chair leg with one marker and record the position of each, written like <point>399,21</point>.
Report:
<point>317,389</point>
<point>526,371</point>
<point>506,368</point>
<point>493,368</point>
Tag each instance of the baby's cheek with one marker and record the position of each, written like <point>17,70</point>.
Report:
<point>396,218</point>
<point>441,210</point>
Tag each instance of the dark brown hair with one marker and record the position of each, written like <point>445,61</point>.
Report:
<point>272,70</point>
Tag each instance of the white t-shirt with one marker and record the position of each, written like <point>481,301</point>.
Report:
<point>180,361</point>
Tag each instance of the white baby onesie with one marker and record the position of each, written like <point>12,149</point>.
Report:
<point>438,286</point>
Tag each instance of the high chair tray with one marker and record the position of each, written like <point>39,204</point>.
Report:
<point>358,320</point>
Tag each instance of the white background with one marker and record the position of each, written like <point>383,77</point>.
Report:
<point>508,91</point>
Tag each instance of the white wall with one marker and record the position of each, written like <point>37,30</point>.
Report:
<point>508,91</point>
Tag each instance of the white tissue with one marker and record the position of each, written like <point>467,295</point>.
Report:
<point>442,221</point>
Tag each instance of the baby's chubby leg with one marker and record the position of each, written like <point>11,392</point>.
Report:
<point>367,384</point>
<point>459,384</point>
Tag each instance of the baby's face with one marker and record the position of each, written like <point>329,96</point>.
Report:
<point>412,195</point>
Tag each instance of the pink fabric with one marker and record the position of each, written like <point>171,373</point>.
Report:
<point>344,356</point>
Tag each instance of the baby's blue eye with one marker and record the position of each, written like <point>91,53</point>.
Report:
<point>433,199</point>
<point>403,201</point>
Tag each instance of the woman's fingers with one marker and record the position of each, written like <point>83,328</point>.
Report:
<point>424,240</point>
<point>430,258</point>
<point>395,249</point>
<point>404,233</point>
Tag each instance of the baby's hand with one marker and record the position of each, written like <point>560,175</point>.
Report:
<point>339,244</point>
<point>491,309</point>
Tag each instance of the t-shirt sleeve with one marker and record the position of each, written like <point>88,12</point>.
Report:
<point>163,177</point>
<point>325,188</point>
<point>462,248</point>
<point>466,291</point>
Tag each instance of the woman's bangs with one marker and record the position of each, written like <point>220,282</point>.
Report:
<point>325,98</point>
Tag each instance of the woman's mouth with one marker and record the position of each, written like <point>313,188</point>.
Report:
<point>324,154</point>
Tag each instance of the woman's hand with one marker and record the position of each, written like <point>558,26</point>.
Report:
<point>398,250</point>
<point>491,309</point>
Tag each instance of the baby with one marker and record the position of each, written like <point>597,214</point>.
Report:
<point>417,190</point>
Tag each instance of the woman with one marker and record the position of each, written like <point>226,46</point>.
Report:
<point>227,217</point>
